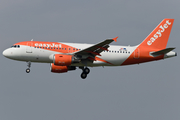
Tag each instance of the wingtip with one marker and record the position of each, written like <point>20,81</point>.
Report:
<point>115,39</point>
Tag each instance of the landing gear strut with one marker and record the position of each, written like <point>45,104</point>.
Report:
<point>85,72</point>
<point>29,65</point>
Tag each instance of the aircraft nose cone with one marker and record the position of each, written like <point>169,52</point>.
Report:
<point>6,53</point>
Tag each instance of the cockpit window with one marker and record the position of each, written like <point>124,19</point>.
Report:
<point>15,46</point>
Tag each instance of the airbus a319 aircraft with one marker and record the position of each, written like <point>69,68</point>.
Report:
<point>65,57</point>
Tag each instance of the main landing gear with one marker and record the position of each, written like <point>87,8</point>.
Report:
<point>85,72</point>
<point>29,65</point>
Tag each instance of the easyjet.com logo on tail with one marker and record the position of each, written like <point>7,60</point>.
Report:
<point>158,34</point>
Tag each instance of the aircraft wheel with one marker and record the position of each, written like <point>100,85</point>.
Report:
<point>83,75</point>
<point>27,70</point>
<point>86,70</point>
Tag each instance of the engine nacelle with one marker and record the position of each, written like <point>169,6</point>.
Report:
<point>61,69</point>
<point>63,60</point>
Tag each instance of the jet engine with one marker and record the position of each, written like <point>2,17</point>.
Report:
<point>61,69</point>
<point>64,60</point>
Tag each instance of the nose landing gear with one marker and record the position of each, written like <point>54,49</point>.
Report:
<point>85,72</point>
<point>29,65</point>
<point>27,70</point>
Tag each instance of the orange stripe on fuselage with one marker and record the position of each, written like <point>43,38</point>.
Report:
<point>144,56</point>
<point>99,59</point>
<point>51,46</point>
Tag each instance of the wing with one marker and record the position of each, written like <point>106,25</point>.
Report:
<point>91,52</point>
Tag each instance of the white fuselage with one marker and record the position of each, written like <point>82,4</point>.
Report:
<point>116,54</point>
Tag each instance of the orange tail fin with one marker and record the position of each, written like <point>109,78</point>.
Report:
<point>158,38</point>
<point>155,41</point>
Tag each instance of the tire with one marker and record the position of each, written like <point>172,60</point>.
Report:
<point>83,75</point>
<point>86,70</point>
<point>27,70</point>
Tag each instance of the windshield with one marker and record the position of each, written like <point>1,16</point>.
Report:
<point>15,46</point>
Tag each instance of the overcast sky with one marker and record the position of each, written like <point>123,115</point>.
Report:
<point>149,91</point>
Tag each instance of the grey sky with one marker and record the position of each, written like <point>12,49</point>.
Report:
<point>148,91</point>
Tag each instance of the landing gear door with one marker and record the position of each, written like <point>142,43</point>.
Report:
<point>29,47</point>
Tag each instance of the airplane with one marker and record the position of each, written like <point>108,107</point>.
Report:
<point>64,57</point>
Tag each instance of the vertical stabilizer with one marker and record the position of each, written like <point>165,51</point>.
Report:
<point>155,41</point>
<point>158,38</point>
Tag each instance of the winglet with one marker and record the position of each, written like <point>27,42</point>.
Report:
<point>115,39</point>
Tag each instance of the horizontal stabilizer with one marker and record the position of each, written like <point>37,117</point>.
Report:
<point>161,52</point>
